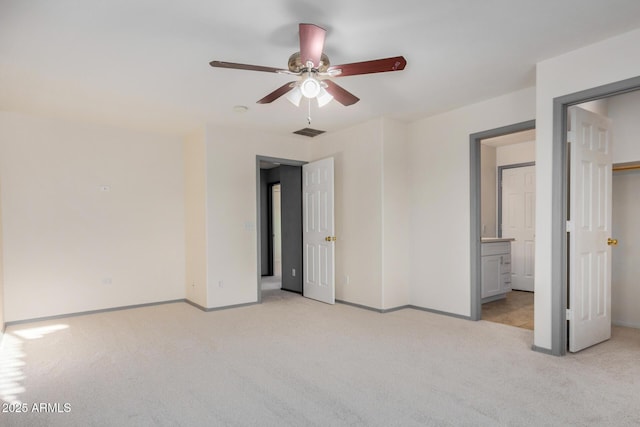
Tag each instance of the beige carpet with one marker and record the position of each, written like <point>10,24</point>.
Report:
<point>293,361</point>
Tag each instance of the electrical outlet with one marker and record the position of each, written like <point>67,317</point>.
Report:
<point>193,284</point>
<point>220,284</point>
<point>346,279</point>
<point>293,272</point>
<point>106,281</point>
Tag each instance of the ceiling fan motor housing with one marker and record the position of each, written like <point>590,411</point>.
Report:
<point>296,65</point>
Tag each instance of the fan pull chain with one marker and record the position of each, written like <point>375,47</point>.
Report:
<point>309,116</point>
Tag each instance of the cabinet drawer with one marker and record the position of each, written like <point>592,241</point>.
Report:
<point>495,248</point>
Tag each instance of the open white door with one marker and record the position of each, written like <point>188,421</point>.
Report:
<point>589,229</point>
<point>518,222</point>
<point>318,231</point>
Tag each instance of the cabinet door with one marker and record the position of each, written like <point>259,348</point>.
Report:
<point>491,283</point>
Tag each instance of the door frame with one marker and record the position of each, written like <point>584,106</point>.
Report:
<point>281,161</point>
<point>475,176</point>
<point>559,198</point>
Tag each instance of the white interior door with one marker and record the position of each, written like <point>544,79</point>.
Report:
<point>589,229</point>
<point>518,222</point>
<point>318,237</point>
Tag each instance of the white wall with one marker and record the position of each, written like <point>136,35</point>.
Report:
<point>65,239</point>
<point>357,153</point>
<point>440,197</point>
<point>195,218</point>
<point>598,106</point>
<point>232,275</point>
<point>605,62</point>
<point>395,215</point>
<point>624,111</point>
<point>522,152</point>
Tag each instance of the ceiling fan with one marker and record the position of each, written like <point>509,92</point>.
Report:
<point>315,71</point>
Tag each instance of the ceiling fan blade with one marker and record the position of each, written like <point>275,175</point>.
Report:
<point>311,43</point>
<point>277,93</point>
<point>340,94</point>
<point>221,64</point>
<point>395,63</point>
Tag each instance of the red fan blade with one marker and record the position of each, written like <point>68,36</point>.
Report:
<point>277,93</point>
<point>311,43</point>
<point>221,64</point>
<point>396,63</point>
<point>340,94</point>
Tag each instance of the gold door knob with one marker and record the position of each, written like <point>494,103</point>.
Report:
<point>330,238</point>
<point>612,242</point>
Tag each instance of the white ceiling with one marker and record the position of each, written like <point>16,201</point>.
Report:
<point>144,63</point>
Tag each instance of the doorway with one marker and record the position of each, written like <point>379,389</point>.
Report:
<point>625,294</point>
<point>309,271</point>
<point>560,191</point>
<point>279,179</point>
<point>507,228</point>
<point>477,225</point>
<point>272,247</point>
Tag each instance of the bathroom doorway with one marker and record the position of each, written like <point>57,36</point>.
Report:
<point>495,257</point>
<point>508,220</point>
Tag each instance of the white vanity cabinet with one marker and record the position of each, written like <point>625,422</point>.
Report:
<point>495,263</point>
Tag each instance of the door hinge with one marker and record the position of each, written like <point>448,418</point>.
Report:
<point>569,314</point>
<point>570,227</point>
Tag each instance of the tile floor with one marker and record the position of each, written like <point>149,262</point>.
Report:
<point>515,310</point>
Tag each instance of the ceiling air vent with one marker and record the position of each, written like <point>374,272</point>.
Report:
<point>309,132</point>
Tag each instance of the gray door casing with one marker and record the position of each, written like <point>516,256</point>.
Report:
<point>559,195</point>
<point>476,224</point>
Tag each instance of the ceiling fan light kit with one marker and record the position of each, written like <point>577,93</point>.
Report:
<point>310,87</point>
<point>295,96</point>
<point>323,97</point>
<point>315,72</point>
